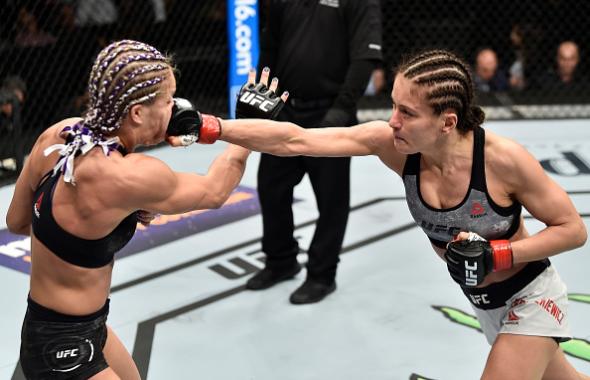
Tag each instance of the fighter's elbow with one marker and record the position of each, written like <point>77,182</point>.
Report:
<point>296,144</point>
<point>18,228</point>
<point>579,234</point>
<point>217,202</point>
<point>289,150</point>
<point>582,234</point>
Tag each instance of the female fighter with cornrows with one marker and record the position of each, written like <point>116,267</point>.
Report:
<point>465,188</point>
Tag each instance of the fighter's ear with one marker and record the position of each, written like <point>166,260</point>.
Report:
<point>449,120</point>
<point>136,113</point>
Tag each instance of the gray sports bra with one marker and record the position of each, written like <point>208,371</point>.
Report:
<point>477,212</point>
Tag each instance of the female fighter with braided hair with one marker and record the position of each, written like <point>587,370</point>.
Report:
<point>77,224</point>
<point>463,185</point>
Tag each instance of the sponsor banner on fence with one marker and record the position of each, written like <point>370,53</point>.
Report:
<point>242,31</point>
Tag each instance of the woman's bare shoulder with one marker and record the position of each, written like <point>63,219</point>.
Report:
<point>503,150</point>
<point>509,160</point>
<point>51,134</point>
<point>38,162</point>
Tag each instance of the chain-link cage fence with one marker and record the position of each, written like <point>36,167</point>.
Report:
<point>47,46</point>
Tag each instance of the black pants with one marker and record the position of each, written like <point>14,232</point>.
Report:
<point>330,180</point>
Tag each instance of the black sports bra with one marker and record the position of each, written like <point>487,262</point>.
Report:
<point>72,249</point>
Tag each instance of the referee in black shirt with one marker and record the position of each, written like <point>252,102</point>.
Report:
<point>324,52</point>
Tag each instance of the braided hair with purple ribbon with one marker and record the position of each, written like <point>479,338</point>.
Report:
<point>124,74</point>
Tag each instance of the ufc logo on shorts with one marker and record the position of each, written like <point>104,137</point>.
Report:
<point>253,99</point>
<point>470,274</point>
<point>478,299</point>
<point>66,353</point>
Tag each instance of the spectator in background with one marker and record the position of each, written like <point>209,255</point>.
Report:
<point>7,99</point>
<point>516,71</point>
<point>160,9</point>
<point>568,58</point>
<point>565,76</point>
<point>12,96</point>
<point>526,41</point>
<point>488,76</point>
<point>17,86</point>
<point>29,31</point>
<point>95,12</point>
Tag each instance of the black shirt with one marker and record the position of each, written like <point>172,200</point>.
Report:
<point>309,44</point>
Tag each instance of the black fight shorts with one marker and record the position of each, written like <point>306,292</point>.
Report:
<point>60,346</point>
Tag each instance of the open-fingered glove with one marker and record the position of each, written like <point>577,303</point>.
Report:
<point>256,101</point>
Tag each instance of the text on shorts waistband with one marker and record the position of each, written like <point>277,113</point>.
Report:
<point>495,295</point>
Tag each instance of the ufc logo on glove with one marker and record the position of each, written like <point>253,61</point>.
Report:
<point>470,273</point>
<point>253,99</point>
<point>470,261</point>
<point>258,102</point>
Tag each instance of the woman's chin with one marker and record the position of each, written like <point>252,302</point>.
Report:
<point>402,146</point>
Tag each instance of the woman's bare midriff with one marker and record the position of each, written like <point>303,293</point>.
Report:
<point>66,288</point>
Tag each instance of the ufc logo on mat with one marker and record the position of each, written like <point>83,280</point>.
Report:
<point>253,99</point>
<point>470,274</point>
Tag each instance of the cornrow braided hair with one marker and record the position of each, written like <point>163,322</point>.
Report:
<point>448,84</point>
<point>124,74</point>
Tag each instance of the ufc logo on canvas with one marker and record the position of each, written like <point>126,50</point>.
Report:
<point>253,99</point>
<point>470,274</point>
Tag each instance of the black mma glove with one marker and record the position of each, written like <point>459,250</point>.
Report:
<point>258,102</point>
<point>191,125</point>
<point>470,261</point>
